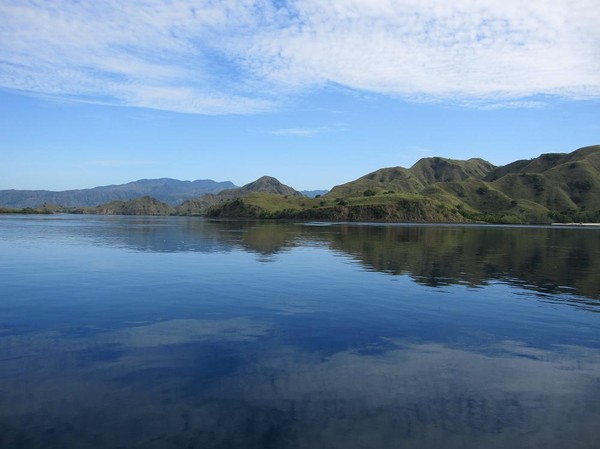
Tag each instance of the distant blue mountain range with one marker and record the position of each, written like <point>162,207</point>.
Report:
<point>171,191</point>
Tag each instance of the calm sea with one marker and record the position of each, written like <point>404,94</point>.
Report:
<point>129,332</point>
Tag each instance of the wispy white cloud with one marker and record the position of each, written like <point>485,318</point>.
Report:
<point>154,54</point>
<point>243,56</point>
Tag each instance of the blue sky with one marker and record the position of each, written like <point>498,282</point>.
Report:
<point>314,93</point>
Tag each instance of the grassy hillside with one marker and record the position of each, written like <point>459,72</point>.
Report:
<point>551,187</point>
<point>385,208</point>
<point>265,185</point>
<point>437,169</point>
<point>395,179</point>
<point>563,184</point>
<point>425,172</point>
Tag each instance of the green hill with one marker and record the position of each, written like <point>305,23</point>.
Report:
<point>386,208</point>
<point>425,172</point>
<point>566,185</point>
<point>140,206</point>
<point>263,185</point>
<point>395,179</point>
<point>551,187</point>
<point>438,169</point>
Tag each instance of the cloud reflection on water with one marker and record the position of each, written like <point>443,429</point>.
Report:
<point>229,383</point>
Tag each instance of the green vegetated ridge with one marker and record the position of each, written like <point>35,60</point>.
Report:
<point>554,187</point>
<point>562,187</point>
<point>265,185</point>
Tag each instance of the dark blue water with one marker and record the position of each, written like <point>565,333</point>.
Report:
<point>125,332</point>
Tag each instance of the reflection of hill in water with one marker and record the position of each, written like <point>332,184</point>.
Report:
<point>549,260</point>
<point>175,234</point>
<point>546,259</point>
<point>183,234</point>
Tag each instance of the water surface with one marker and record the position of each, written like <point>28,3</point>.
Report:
<point>125,332</point>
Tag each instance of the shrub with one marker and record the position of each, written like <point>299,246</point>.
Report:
<point>379,211</point>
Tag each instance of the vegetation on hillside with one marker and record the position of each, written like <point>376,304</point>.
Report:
<point>550,188</point>
<point>43,209</point>
<point>554,187</point>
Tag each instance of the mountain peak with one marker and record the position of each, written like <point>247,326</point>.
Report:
<point>439,169</point>
<point>267,178</point>
<point>269,184</point>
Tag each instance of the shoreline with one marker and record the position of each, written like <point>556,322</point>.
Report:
<point>577,224</point>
